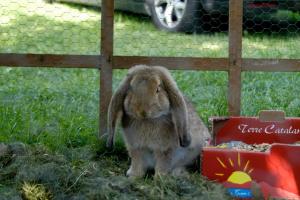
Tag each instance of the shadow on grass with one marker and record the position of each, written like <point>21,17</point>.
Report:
<point>273,28</point>
<point>280,23</point>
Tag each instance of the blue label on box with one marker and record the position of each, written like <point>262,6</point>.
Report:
<point>240,193</point>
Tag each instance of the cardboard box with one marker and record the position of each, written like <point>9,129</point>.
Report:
<point>275,173</point>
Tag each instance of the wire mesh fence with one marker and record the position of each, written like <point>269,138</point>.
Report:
<point>271,29</point>
<point>178,34</point>
<point>194,32</point>
<point>34,26</point>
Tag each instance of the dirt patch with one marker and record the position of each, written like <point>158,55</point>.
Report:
<point>84,173</point>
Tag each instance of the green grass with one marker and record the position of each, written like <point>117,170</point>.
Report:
<point>58,108</point>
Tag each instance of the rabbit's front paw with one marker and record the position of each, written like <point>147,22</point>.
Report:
<point>134,173</point>
<point>180,172</point>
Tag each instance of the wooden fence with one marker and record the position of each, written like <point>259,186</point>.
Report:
<point>234,64</point>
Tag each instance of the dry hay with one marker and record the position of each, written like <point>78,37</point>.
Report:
<point>84,173</point>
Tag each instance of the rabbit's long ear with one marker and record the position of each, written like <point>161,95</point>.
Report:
<point>178,106</point>
<point>115,109</point>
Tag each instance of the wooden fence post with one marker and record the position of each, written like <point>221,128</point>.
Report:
<point>235,56</point>
<point>107,30</point>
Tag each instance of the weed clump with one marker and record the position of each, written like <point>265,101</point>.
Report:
<point>35,192</point>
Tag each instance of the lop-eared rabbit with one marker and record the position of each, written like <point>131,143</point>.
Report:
<point>161,128</point>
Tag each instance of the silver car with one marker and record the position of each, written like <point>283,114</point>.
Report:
<point>189,15</point>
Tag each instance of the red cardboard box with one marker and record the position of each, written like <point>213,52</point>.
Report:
<point>276,173</point>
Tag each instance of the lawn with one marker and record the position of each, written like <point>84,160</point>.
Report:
<point>55,111</point>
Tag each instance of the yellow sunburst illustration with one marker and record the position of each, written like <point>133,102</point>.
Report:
<point>240,176</point>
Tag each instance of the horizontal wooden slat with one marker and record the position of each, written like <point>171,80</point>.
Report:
<point>125,62</point>
<point>120,62</point>
<point>271,65</point>
<point>175,63</point>
<point>50,60</point>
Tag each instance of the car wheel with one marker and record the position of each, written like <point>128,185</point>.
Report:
<point>175,15</point>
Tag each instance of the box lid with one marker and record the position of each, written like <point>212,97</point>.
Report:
<point>269,127</point>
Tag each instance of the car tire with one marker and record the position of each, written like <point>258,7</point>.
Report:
<point>175,15</point>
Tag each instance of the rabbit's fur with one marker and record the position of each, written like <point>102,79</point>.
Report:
<point>161,128</point>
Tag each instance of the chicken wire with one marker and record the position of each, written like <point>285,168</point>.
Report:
<point>272,29</point>
<point>35,26</point>
<point>161,34</point>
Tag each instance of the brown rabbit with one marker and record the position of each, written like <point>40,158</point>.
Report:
<point>161,128</point>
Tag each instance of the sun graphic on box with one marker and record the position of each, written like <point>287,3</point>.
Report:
<point>238,181</point>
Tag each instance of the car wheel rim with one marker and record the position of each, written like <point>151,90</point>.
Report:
<point>170,12</point>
